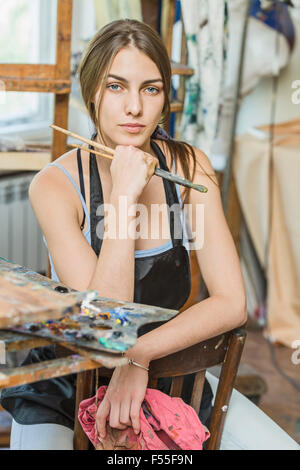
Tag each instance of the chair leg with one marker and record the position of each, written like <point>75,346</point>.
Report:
<point>225,386</point>
<point>197,390</point>
<point>176,386</point>
<point>84,390</point>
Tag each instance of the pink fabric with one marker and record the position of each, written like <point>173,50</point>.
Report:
<point>166,423</point>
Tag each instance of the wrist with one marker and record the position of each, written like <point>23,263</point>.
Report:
<point>116,194</point>
<point>137,356</point>
<point>132,362</point>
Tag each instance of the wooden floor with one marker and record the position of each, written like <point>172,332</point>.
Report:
<point>281,401</point>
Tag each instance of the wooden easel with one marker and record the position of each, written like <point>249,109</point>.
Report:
<point>44,78</point>
<point>182,69</point>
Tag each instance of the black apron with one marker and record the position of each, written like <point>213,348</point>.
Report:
<point>162,280</point>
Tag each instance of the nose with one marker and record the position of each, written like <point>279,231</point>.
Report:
<point>133,103</point>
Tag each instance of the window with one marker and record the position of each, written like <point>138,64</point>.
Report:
<point>28,35</point>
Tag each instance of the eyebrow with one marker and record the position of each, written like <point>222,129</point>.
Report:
<point>126,81</point>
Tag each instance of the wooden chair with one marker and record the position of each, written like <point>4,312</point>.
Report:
<point>225,349</point>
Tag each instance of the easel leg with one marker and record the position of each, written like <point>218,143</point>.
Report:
<point>84,390</point>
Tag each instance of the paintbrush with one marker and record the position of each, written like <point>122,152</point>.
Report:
<point>108,153</point>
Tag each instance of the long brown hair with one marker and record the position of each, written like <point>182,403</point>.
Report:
<point>95,65</point>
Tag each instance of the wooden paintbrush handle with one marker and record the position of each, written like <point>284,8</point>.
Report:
<point>83,139</point>
<point>158,171</point>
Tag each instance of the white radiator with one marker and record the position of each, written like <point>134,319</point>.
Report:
<point>20,235</point>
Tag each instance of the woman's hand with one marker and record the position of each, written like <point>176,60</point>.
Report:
<point>123,398</point>
<point>131,169</point>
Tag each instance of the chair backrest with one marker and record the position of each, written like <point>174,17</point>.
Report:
<point>225,349</point>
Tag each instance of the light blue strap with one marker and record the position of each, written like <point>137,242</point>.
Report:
<point>153,251</point>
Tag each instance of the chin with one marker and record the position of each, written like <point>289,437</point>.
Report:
<point>135,140</point>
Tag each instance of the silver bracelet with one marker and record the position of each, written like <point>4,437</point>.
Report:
<point>132,362</point>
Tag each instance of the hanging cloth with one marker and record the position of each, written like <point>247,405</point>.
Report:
<point>206,35</point>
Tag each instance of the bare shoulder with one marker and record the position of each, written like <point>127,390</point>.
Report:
<point>50,174</point>
<point>203,164</point>
<point>205,175</point>
<point>50,187</point>
<point>204,172</point>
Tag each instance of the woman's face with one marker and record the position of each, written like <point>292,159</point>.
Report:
<point>133,94</point>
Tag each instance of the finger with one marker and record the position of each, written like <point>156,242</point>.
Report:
<point>102,413</point>
<point>114,417</point>
<point>135,415</point>
<point>124,413</point>
<point>155,163</point>
<point>151,164</point>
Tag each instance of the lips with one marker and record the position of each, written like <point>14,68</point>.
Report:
<point>132,125</point>
<point>132,128</point>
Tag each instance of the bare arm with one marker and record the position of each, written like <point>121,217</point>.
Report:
<point>114,272</point>
<point>76,264</point>
<point>52,199</point>
<point>224,310</point>
<point>219,264</point>
<point>131,169</point>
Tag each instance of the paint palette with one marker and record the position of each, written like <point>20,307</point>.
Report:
<point>97,323</point>
<point>24,300</point>
<point>103,324</point>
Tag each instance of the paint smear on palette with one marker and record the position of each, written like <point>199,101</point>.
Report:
<point>101,324</point>
<point>110,328</point>
<point>112,344</point>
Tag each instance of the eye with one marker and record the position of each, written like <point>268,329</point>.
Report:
<point>113,85</point>
<point>153,90</point>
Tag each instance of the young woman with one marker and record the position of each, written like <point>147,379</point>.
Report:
<point>125,80</point>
